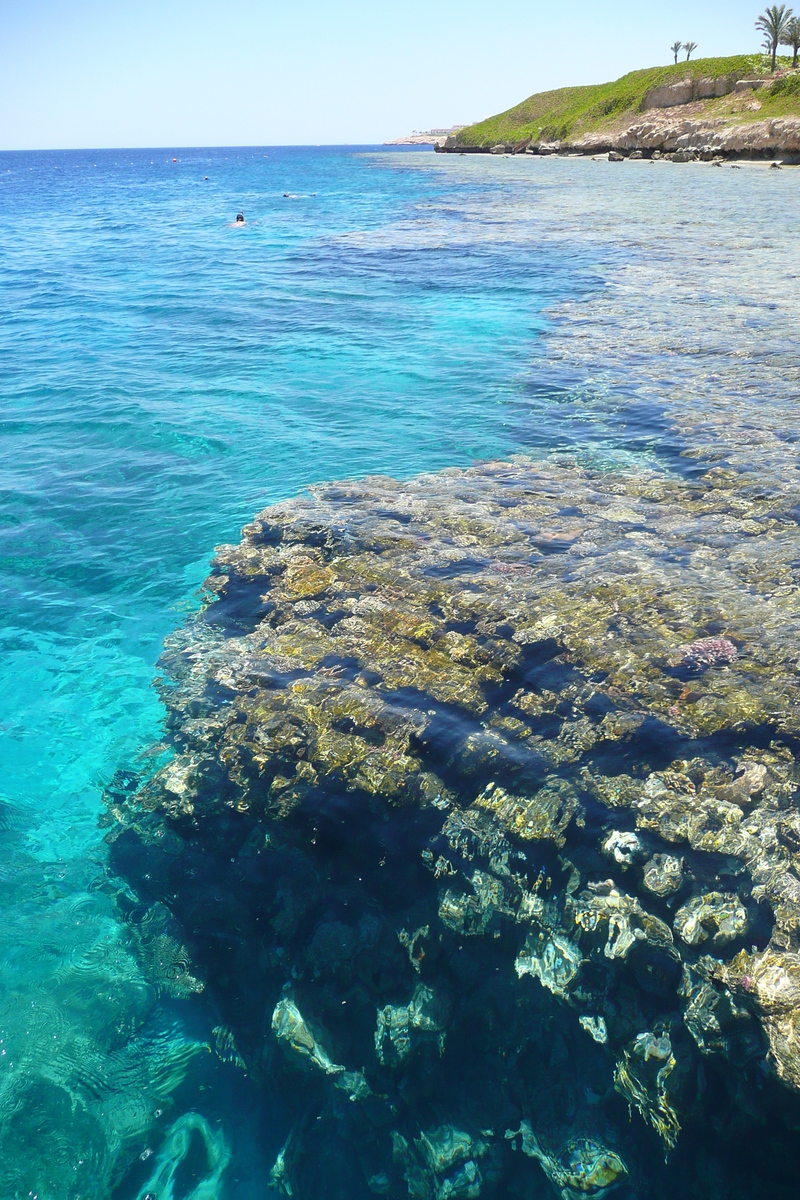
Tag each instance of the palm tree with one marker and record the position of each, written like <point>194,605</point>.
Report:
<point>689,47</point>
<point>774,23</point>
<point>791,37</point>
<point>676,48</point>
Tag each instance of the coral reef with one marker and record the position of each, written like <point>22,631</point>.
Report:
<point>482,816</point>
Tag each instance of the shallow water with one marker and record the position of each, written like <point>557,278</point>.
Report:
<point>166,375</point>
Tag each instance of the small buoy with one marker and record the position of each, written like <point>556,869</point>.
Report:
<point>205,177</point>
<point>174,160</point>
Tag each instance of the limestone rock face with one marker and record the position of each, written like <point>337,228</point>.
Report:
<point>672,95</point>
<point>749,85</point>
<point>705,89</point>
<point>673,131</point>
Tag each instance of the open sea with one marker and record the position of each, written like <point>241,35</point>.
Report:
<point>165,374</point>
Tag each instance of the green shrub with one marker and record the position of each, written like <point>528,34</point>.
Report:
<point>612,104</point>
<point>787,85</point>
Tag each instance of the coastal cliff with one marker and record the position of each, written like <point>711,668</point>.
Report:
<point>711,108</point>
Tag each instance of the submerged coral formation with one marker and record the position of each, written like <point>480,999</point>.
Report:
<point>483,817</point>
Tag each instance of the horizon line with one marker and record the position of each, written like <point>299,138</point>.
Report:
<point>173,149</point>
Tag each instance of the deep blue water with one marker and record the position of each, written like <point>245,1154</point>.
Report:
<point>166,374</point>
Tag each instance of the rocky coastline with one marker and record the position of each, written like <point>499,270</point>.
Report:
<point>482,830</point>
<point>670,133</point>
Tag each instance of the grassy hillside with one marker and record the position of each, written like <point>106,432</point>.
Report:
<point>568,113</point>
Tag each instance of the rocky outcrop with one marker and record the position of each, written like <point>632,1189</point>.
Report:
<point>670,95</point>
<point>672,132</point>
<point>688,90</point>
<point>669,131</point>
<point>749,85</point>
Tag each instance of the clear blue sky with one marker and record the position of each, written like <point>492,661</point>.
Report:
<point>88,73</point>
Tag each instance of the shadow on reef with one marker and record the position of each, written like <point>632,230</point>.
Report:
<point>481,829</point>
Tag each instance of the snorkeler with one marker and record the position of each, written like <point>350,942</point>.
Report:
<point>240,218</point>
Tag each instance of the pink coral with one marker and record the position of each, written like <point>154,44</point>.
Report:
<point>705,653</point>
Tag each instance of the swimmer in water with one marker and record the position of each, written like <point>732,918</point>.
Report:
<point>240,218</point>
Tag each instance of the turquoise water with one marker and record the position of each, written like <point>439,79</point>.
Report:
<point>166,374</point>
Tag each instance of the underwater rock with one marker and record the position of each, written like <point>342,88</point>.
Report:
<point>751,778</point>
<point>668,805</point>
<point>400,1025</point>
<point>663,875</point>
<point>554,961</point>
<point>617,921</point>
<point>582,1168</point>
<point>643,1076</point>
<point>717,915</point>
<point>544,816</point>
<point>474,913</point>
<point>625,848</point>
<point>714,1015</point>
<point>393,1034</point>
<point>596,1027</point>
<point>290,1029</point>
<point>775,982</point>
<point>292,1032</point>
<point>442,1164</point>
<point>279,1179</point>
